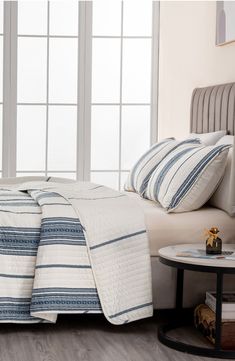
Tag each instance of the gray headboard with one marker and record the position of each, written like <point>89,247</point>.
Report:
<point>213,108</point>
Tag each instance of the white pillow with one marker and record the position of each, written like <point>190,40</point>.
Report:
<point>140,173</point>
<point>227,139</point>
<point>222,198</point>
<point>208,138</point>
<point>187,177</point>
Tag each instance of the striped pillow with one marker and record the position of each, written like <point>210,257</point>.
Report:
<point>187,177</point>
<point>140,173</point>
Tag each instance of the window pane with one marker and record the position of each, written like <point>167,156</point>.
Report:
<point>1,17</point>
<point>32,17</point>
<point>1,67</point>
<point>135,134</point>
<point>62,133</point>
<point>105,70</point>
<point>63,70</point>
<point>109,179</point>
<point>31,137</point>
<point>136,70</point>
<point>137,18</point>
<point>64,18</point>
<point>104,137</point>
<point>0,136</point>
<point>106,18</point>
<point>32,61</point>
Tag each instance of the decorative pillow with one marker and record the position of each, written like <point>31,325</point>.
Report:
<point>222,198</point>
<point>187,177</point>
<point>227,139</point>
<point>209,138</point>
<point>140,173</point>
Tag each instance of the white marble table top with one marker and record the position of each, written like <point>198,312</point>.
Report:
<point>171,252</point>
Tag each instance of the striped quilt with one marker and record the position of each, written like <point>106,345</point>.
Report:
<point>72,248</point>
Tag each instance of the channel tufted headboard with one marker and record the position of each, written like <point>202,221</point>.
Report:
<point>213,108</point>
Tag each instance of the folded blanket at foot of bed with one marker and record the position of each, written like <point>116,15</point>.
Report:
<point>72,248</point>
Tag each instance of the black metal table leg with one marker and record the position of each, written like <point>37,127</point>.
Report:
<point>182,321</point>
<point>218,315</point>
<point>179,289</point>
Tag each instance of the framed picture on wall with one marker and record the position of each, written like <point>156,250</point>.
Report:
<point>225,22</point>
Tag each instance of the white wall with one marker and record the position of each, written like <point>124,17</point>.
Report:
<point>188,59</point>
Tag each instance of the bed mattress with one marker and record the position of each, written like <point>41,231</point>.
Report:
<point>165,229</point>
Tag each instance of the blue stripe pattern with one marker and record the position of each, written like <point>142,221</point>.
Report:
<point>144,159</point>
<point>19,241</point>
<point>144,185</point>
<point>62,230</point>
<point>117,239</point>
<point>24,241</point>
<point>60,290</point>
<point>172,182</point>
<point>59,299</point>
<point>191,178</point>
<point>141,172</point>
<point>165,170</point>
<point>131,309</point>
<point>85,266</point>
<point>16,309</point>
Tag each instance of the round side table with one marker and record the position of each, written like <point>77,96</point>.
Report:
<point>168,256</point>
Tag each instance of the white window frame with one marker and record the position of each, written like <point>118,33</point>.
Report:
<point>9,89</point>
<point>84,88</point>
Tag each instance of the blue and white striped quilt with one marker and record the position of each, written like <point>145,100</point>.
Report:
<point>72,248</point>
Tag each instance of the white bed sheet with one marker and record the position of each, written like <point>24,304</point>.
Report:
<point>165,229</point>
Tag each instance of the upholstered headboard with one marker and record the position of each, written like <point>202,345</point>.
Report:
<point>213,108</point>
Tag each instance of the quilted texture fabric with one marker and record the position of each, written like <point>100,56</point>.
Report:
<point>91,238</point>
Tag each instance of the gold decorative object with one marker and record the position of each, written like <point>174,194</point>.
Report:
<point>213,242</point>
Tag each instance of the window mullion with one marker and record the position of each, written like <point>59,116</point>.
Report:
<point>84,90</point>
<point>47,86</point>
<point>154,71</point>
<point>9,88</point>
<point>120,105</point>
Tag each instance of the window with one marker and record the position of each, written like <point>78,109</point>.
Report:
<point>121,86</point>
<point>47,81</point>
<point>82,100</point>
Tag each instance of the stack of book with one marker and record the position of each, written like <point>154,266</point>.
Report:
<point>204,319</point>
<point>228,304</point>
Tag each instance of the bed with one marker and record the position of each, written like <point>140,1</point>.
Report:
<point>212,109</point>
<point>106,276</point>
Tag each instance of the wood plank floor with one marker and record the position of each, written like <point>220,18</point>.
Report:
<point>87,338</point>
